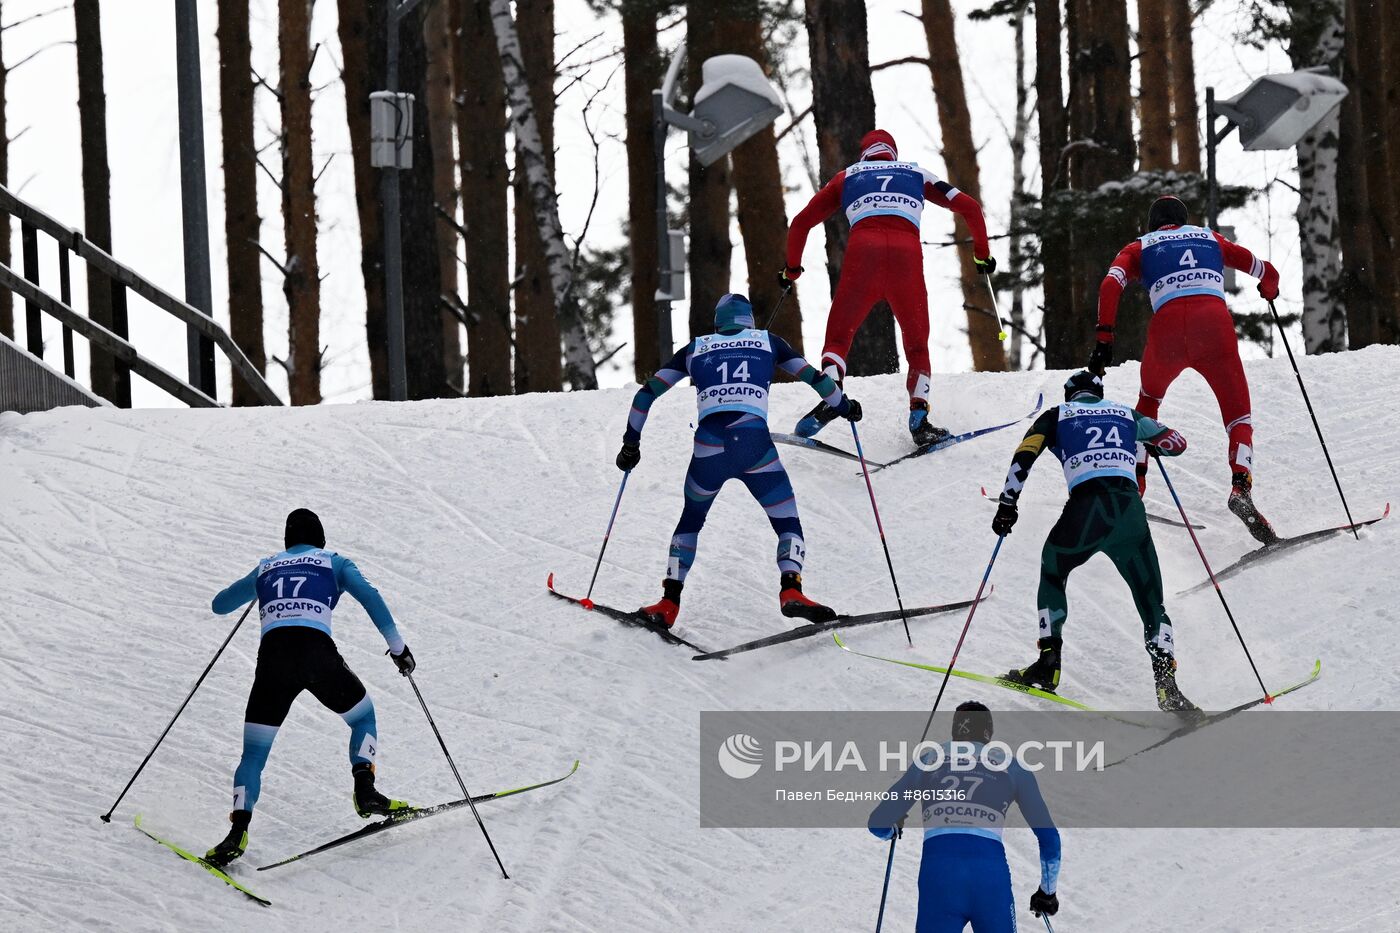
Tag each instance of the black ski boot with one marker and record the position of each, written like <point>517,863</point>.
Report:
<point>921,429</point>
<point>1045,672</point>
<point>797,606</point>
<point>1242,504</point>
<point>234,843</point>
<point>368,801</point>
<point>1170,699</point>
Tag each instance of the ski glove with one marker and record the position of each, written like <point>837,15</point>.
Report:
<point>1268,290</point>
<point>628,457</point>
<point>986,266</point>
<point>1169,443</point>
<point>788,275</point>
<point>1044,904</point>
<point>404,661</point>
<point>850,409</point>
<point>1005,518</point>
<point>1102,356</point>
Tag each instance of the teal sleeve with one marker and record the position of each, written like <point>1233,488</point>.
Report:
<point>351,581</point>
<point>1148,428</point>
<point>237,594</point>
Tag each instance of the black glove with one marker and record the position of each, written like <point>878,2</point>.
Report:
<point>986,266</point>
<point>1102,355</point>
<point>1042,903</point>
<point>403,661</point>
<point>1005,518</point>
<point>628,457</point>
<point>852,412</point>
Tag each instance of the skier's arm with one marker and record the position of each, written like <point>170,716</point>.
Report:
<point>823,204</point>
<point>938,191</point>
<point>667,376</point>
<point>1037,816</point>
<point>1166,441</point>
<point>237,594</point>
<point>1040,435</point>
<point>791,362</point>
<point>892,810</point>
<point>1127,267</point>
<point>1237,257</point>
<point>350,580</point>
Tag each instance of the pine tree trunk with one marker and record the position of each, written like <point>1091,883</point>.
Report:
<point>302,284</point>
<point>538,367</point>
<point>1324,318</point>
<point>1155,96</point>
<point>1061,347</point>
<point>481,131</point>
<point>1389,68</point>
<point>439,38</point>
<point>1371,26</point>
<point>106,374</point>
<point>642,75</point>
<point>1186,119</point>
<point>7,299</point>
<point>708,194</point>
<point>535,165</point>
<point>843,108</point>
<point>960,155</point>
<point>362,51</point>
<point>242,225</point>
<point>758,192</point>
<point>422,277</point>
<point>1354,214</point>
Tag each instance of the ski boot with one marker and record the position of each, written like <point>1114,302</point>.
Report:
<point>665,611</point>
<point>797,606</point>
<point>815,420</point>
<point>368,801</point>
<point>1241,503</point>
<point>923,432</point>
<point>1170,699</point>
<point>234,843</point>
<point>1044,673</point>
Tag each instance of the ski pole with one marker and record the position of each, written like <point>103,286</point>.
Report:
<point>107,817</point>
<point>471,803</point>
<point>1001,327</point>
<point>884,892</point>
<point>1048,927</point>
<point>1268,697</point>
<point>860,452</point>
<point>976,600</point>
<point>1308,402</point>
<point>587,602</point>
<point>773,316</point>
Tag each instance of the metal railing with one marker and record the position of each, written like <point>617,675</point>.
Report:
<point>114,340</point>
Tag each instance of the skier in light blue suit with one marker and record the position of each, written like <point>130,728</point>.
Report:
<point>297,591</point>
<point>732,369</point>
<point>963,877</point>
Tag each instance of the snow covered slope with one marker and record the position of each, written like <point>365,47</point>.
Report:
<point>117,528</point>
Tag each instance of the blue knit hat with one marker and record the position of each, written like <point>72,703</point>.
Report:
<point>733,313</point>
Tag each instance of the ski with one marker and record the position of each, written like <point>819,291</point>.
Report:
<point>212,869</point>
<point>408,816</point>
<point>1201,721</point>
<point>1159,519</point>
<point>959,438</point>
<point>811,443</point>
<point>994,681</point>
<point>1282,544</point>
<point>635,619</point>
<point>843,621</point>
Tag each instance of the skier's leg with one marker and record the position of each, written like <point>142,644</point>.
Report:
<point>993,906</point>
<point>1162,361</point>
<point>944,895</point>
<point>908,299</point>
<point>709,469</point>
<point>855,294</point>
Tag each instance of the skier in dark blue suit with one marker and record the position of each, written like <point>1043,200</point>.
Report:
<point>731,370</point>
<point>963,877</point>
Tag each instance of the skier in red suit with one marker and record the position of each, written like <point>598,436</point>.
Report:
<point>883,199</point>
<point>1183,269</point>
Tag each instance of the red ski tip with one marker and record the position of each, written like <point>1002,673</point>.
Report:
<point>1268,698</point>
<point>550,582</point>
<point>588,604</point>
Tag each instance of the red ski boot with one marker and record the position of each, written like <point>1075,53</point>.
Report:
<point>665,611</point>
<point>797,606</point>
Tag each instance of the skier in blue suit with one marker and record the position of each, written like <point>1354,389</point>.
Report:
<point>297,591</point>
<point>963,877</point>
<point>731,370</point>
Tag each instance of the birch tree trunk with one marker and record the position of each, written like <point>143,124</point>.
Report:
<point>242,225</point>
<point>1324,318</point>
<point>1016,258</point>
<point>438,36</point>
<point>481,131</point>
<point>960,155</point>
<point>642,75</point>
<point>708,191</point>
<point>538,367</point>
<point>1186,118</point>
<point>1155,86</point>
<point>302,282</point>
<point>535,165</point>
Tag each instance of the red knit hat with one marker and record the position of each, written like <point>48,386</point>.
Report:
<point>877,144</point>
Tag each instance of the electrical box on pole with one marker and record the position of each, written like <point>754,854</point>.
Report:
<point>391,129</point>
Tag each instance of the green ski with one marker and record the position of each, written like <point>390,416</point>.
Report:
<point>212,869</point>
